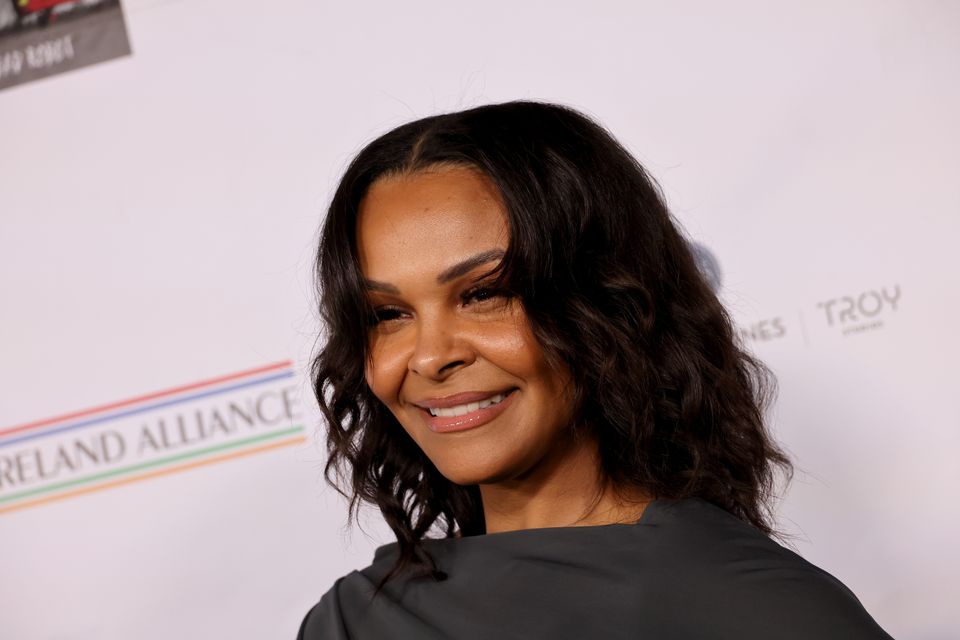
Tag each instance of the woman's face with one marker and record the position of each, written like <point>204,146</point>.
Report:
<point>454,360</point>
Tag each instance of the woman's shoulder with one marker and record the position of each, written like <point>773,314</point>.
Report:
<point>746,579</point>
<point>711,535</point>
<point>325,619</point>
<point>687,568</point>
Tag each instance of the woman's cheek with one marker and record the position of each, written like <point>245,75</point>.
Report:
<point>511,343</point>
<point>385,368</point>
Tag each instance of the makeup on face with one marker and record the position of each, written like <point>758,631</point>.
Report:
<point>452,357</point>
<point>464,410</point>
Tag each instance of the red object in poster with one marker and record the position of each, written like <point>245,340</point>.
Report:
<point>29,6</point>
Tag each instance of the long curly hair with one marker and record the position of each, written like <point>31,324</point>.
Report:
<point>612,292</point>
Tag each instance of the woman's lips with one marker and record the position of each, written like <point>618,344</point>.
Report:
<point>442,424</point>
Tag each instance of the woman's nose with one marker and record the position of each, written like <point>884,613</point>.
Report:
<point>440,348</point>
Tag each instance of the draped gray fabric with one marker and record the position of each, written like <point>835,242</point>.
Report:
<point>687,569</point>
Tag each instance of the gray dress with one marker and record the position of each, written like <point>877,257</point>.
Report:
<point>687,569</point>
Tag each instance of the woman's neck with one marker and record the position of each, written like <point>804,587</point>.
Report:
<point>565,489</point>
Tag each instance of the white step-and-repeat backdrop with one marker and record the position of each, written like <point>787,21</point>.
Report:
<point>160,465</point>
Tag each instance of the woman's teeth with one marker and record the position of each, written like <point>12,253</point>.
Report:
<point>463,409</point>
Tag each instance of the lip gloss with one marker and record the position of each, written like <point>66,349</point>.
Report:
<point>441,424</point>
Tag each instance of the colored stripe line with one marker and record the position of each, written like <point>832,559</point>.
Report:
<point>154,474</point>
<point>286,364</point>
<point>152,463</point>
<point>144,409</point>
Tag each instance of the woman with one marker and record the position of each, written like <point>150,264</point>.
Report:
<point>523,355</point>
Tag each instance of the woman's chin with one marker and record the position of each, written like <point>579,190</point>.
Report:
<point>466,479</point>
<point>466,475</point>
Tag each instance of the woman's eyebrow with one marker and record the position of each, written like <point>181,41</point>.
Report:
<point>450,273</point>
<point>466,266</point>
<point>382,287</point>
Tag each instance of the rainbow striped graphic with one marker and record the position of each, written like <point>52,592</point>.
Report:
<point>228,417</point>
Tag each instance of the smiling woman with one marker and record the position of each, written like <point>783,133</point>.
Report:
<point>523,356</point>
<point>447,339</point>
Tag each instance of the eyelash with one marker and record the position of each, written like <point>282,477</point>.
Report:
<point>388,313</point>
<point>474,291</point>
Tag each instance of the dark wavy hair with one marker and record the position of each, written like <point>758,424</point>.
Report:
<point>612,292</point>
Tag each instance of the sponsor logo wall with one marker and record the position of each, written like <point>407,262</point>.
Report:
<point>161,459</point>
<point>149,436</point>
<point>866,310</point>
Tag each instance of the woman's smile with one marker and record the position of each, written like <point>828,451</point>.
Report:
<point>464,410</point>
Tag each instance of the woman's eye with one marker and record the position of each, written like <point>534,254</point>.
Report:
<point>384,314</point>
<point>481,294</point>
